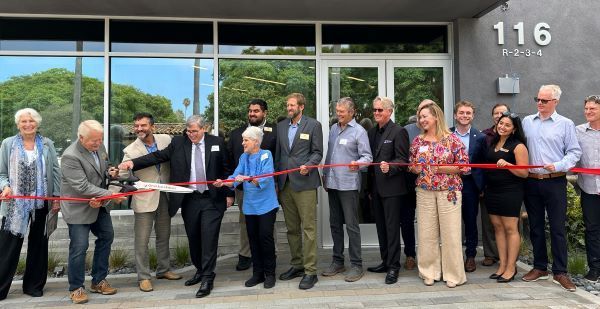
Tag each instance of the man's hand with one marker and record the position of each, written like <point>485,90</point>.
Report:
<point>119,199</point>
<point>385,167</point>
<point>6,192</point>
<point>55,206</point>
<point>218,183</point>
<point>354,166</point>
<point>113,172</point>
<point>550,168</point>
<point>241,178</point>
<point>94,203</point>
<point>127,165</point>
<point>303,170</point>
<point>230,201</point>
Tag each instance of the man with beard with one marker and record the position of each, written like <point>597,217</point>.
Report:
<point>299,144</point>
<point>257,117</point>
<point>150,208</point>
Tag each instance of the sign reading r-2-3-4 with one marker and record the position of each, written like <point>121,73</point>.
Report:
<point>541,35</point>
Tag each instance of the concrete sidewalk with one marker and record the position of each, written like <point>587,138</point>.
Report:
<point>369,292</point>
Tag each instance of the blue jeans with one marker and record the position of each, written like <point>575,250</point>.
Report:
<point>79,235</point>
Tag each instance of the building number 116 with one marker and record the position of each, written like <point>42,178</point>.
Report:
<point>541,34</point>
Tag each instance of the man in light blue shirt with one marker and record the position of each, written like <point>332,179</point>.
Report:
<point>348,143</point>
<point>552,143</point>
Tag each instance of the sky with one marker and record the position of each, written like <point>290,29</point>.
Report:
<point>169,77</point>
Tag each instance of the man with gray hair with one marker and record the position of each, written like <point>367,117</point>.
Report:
<point>84,167</point>
<point>348,143</point>
<point>196,157</point>
<point>552,143</point>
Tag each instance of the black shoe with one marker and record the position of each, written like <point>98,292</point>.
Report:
<point>381,268</point>
<point>244,263</point>
<point>392,276</point>
<point>195,279</point>
<point>307,282</point>
<point>495,276</point>
<point>205,288</point>
<point>291,274</point>
<point>592,276</point>
<point>506,280</point>
<point>254,280</point>
<point>269,281</point>
<point>34,293</point>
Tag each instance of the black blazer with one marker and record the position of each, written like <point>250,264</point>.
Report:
<point>235,148</point>
<point>393,147</point>
<point>179,154</point>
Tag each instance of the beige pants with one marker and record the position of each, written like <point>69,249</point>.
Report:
<point>439,220</point>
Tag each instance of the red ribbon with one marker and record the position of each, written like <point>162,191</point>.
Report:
<point>579,170</point>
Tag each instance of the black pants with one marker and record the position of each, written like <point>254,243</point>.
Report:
<point>202,220</point>
<point>541,197</point>
<point>387,219</point>
<point>262,243</point>
<point>590,203</point>
<point>407,222</point>
<point>36,267</point>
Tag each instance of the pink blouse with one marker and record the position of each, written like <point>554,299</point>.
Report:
<point>447,151</point>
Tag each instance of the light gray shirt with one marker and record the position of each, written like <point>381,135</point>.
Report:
<point>589,140</point>
<point>349,144</point>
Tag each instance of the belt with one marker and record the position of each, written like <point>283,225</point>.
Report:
<point>546,176</point>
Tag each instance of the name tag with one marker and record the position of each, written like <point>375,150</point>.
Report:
<point>264,156</point>
<point>214,148</point>
<point>387,141</point>
<point>423,148</point>
<point>268,129</point>
<point>304,136</point>
<point>343,141</point>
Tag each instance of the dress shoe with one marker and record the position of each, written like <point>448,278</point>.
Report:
<point>205,288</point>
<point>495,276</point>
<point>564,281</point>
<point>291,274</point>
<point>410,263</point>
<point>381,268</point>
<point>535,275</point>
<point>488,261</point>
<point>254,280</point>
<point>307,282</point>
<point>195,279</point>
<point>244,263</point>
<point>392,276</point>
<point>34,293</point>
<point>269,281</point>
<point>592,275</point>
<point>470,265</point>
<point>169,275</point>
<point>145,285</point>
<point>501,279</point>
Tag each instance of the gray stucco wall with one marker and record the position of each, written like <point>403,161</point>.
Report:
<point>571,60</point>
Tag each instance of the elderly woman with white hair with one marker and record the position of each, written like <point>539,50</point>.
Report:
<point>28,167</point>
<point>260,205</point>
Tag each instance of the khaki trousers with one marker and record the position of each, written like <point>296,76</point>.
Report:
<point>439,220</point>
<point>300,213</point>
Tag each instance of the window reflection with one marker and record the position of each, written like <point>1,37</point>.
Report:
<point>270,80</point>
<point>411,86</point>
<point>65,90</point>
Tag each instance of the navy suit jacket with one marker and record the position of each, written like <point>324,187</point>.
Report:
<point>477,151</point>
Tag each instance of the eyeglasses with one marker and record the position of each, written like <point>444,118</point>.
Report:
<point>536,99</point>
<point>378,110</point>
<point>511,115</point>
<point>593,98</point>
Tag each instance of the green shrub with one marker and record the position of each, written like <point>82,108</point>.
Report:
<point>89,257</point>
<point>153,259</point>
<point>118,258</point>
<point>21,266</point>
<point>54,259</point>
<point>577,264</point>
<point>574,226</point>
<point>182,254</point>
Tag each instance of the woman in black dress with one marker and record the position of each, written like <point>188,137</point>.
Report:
<point>504,192</point>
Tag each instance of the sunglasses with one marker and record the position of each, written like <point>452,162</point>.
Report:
<point>378,110</point>
<point>510,115</point>
<point>536,99</point>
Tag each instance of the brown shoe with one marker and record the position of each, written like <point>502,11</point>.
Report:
<point>535,275</point>
<point>79,296</point>
<point>103,287</point>
<point>410,263</point>
<point>169,275</point>
<point>564,281</point>
<point>470,265</point>
<point>146,286</point>
<point>488,261</point>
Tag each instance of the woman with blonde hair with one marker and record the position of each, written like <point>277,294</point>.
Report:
<point>438,189</point>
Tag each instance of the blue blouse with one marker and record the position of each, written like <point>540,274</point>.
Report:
<point>258,200</point>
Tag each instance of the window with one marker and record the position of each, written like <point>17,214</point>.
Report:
<point>266,39</point>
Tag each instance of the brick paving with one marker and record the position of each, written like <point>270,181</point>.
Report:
<point>369,292</point>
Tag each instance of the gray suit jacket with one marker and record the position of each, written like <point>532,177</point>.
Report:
<point>82,178</point>
<point>307,149</point>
